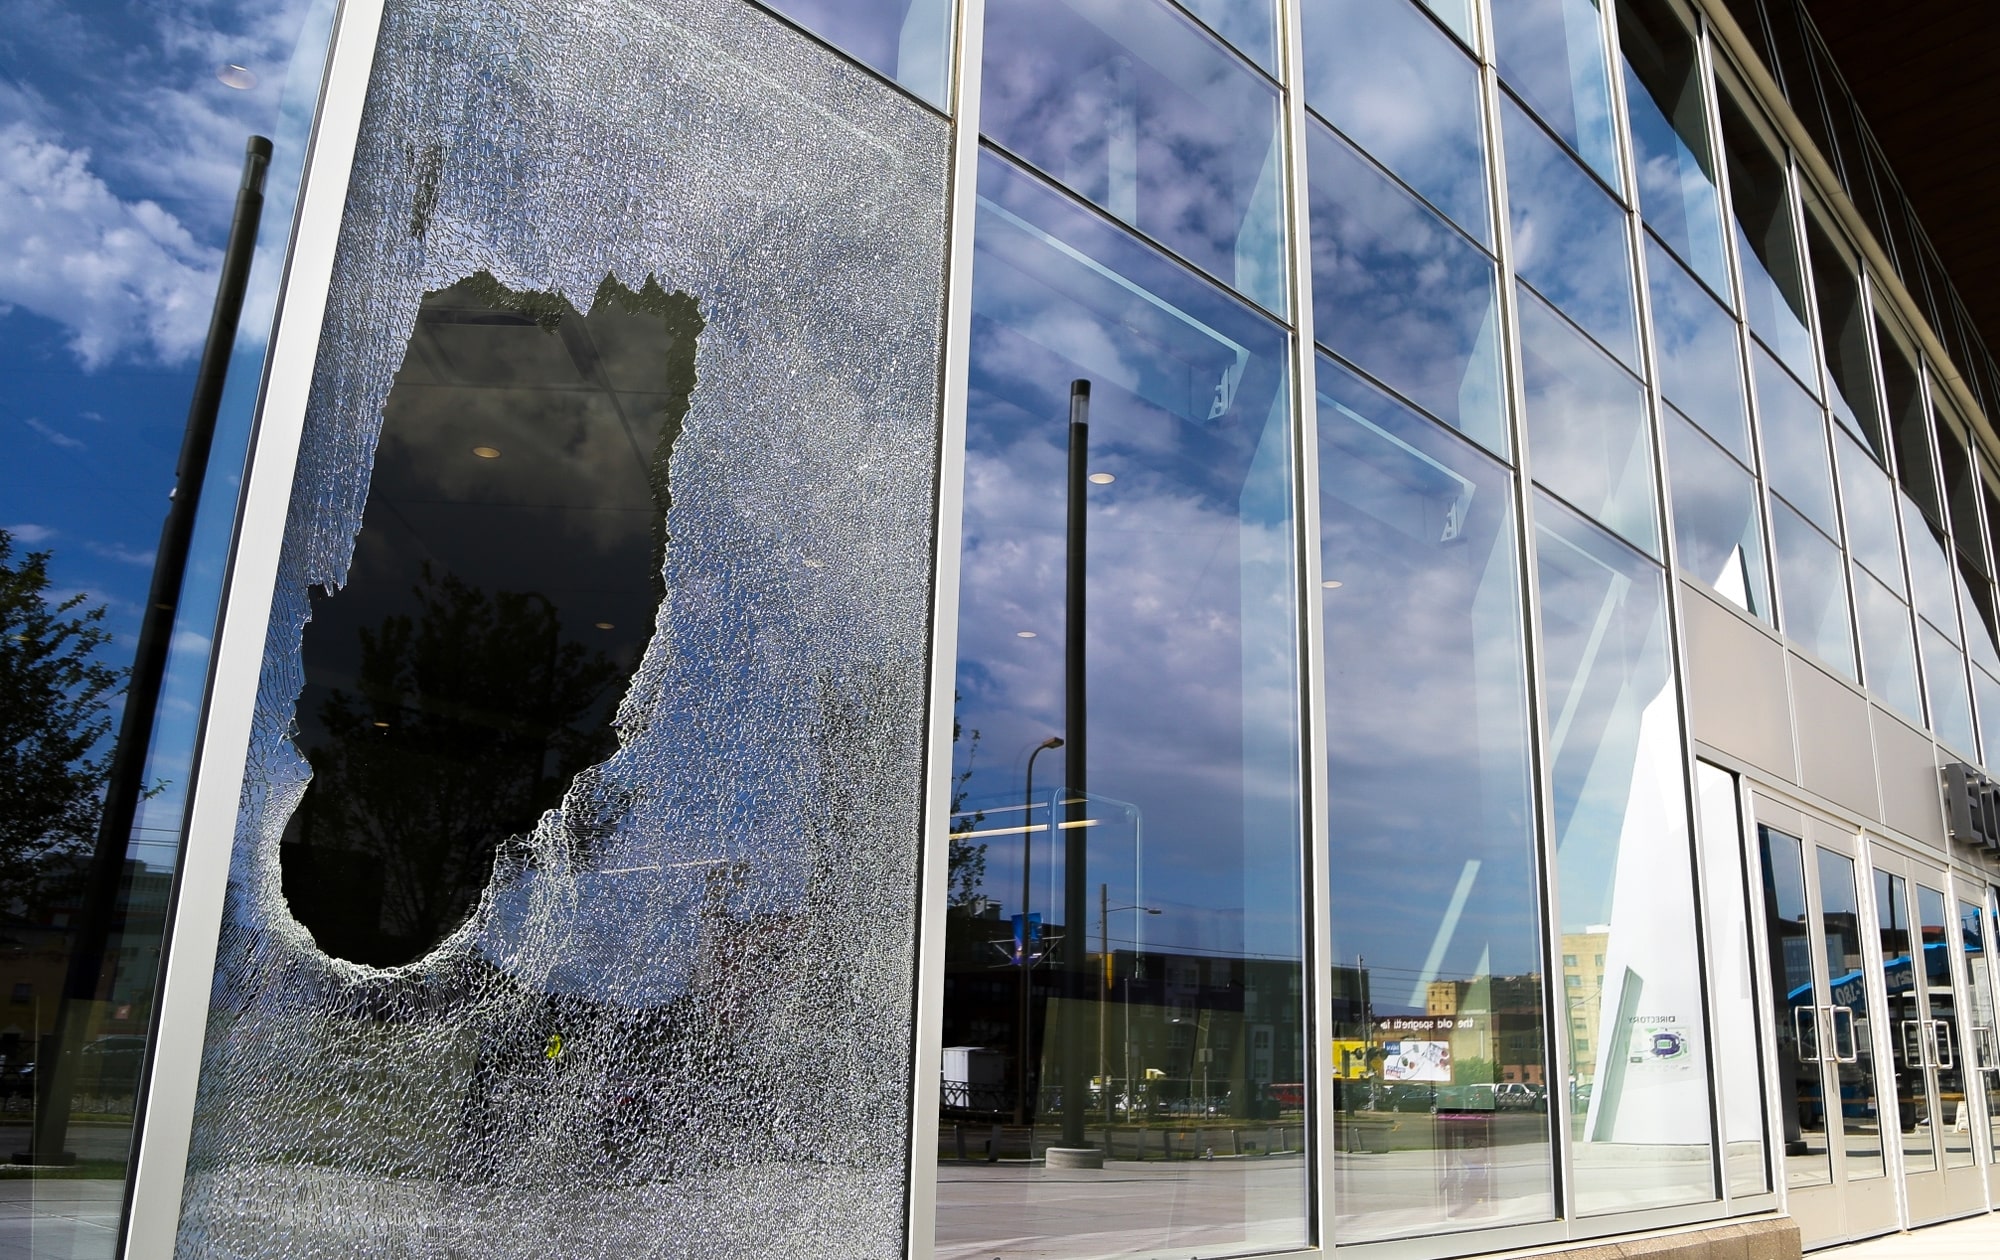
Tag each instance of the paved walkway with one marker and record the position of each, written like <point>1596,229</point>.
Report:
<point>1974,1238</point>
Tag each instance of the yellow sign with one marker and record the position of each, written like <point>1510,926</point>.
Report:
<point>1350,1060</point>
<point>553,1050</point>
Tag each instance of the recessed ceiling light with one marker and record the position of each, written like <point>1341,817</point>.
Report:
<point>1102,479</point>
<point>383,725</point>
<point>486,452</point>
<point>1024,634</point>
<point>604,625</point>
<point>242,78</point>
<point>1332,584</point>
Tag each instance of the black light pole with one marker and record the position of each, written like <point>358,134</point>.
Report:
<point>1076,889</point>
<point>56,1069</point>
<point>1027,867</point>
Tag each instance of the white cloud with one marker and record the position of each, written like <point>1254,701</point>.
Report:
<point>54,435</point>
<point>30,535</point>
<point>124,277</point>
<point>119,552</point>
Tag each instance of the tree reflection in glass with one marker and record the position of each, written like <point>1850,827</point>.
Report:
<point>1437,975</point>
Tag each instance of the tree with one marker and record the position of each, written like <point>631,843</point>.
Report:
<point>966,861</point>
<point>55,711</point>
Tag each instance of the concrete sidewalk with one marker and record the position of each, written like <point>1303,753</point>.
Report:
<point>1974,1238</point>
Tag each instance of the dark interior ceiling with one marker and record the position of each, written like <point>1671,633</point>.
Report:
<point>1927,79</point>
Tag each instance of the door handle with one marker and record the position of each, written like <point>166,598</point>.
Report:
<point>1942,1056</point>
<point>1806,1032</point>
<point>1916,1050</point>
<point>1853,1047</point>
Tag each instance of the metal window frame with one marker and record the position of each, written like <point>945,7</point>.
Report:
<point>160,1169</point>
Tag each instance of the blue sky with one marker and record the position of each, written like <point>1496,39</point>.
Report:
<point>122,129</point>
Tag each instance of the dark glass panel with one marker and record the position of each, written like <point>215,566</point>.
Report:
<point>1700,360</point>
<point>1982,1051</point>
<point>1569,236</point>
<point>1400,294</point>
<point>1802,1095</point>
<point>1437,963</point>
<point>1728,928</point>
<point>1795,71</point>
<point>1888,651</point>
<point>1717,534</point>
<point>1197,1010</point>
<point>1843,323</point>
<point>1587,430</point>
<point>1904,992</point>
<point>1961,490</point>
<point>1140,110</point>
<point>1408,95</point>
<point>1761,205</point>
<point>907,40</point>
<point>1670,147</point>
<point>1552,53</point>
<point>1624,870</point>
<point>1840,920</point>
<point>1909,423</point>
<point>1812,589</point>
<point>1935,930</point>
<point>1794,429</point>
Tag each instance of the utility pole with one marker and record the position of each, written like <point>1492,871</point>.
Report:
<point>1076,895</point>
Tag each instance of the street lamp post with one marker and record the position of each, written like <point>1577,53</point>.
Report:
<point>1104,912</point>
<point>1021,941</point>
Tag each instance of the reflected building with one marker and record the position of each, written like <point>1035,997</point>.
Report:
<point>1070,629</point>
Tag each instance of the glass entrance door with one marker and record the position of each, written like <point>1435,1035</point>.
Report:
<point>1982,1039</point>
<point>1827,988</point>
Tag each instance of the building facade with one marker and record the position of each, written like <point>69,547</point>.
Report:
<point>1080,628</point>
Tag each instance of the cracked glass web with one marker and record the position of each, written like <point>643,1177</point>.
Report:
<point>677,1013</point>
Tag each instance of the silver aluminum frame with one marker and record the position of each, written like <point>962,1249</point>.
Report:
<point>934,827</point>
<point>160,1170</point>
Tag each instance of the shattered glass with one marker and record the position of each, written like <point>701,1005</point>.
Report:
<point>657,995</point>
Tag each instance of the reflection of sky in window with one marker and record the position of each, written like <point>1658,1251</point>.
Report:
<point>1760,200</point>
<point>1192,717</point>
<point>907,40</point>
<point>1869,500</point>
<point>1552,53</point>
<point>1700,365</point>
<point>1248,24</point>
<point>1944,685</point>
<point>1794,430</point>
<point>1843,321</point>
<point>1812,591</point>
<point>1423,667</point>
<point>121,144</point>
<point>1677,192</point>
<point>1400,294</point>
<point>1716,530</point>
<point>1888,657</point>
<point>1141,111</point>
<point>1402,90</point>
<point>1569,236</point>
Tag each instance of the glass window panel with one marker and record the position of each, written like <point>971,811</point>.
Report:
<point>1888,650</point>
<point>1670,149</point>
<point>1189,425</point>
<point>1761,206</point>
<point>1402,90</point>
<point>1944,685</point>
<point>1843,323</point>
<point>1141,111</point>
<point>1740,1066</point>
<point>907,40</point>
<point>1961,489</point>
<point>1794,64</point>
<point>1439,959</point>
<point>1839,104</point>
<point>1986,697</point>
<point>1811,589</point>
<point>1552,53</point>
<point>1717,536</point>
<point>1982,1052</point>
<point>1934,929</point>
<point>1801,1084</point>
<point>1932,583</point>
<point>1586,421</point>
<point>1699,357</point>
<point>1840,921</point>
<point>1569,235</point>
<point>1869,498</point>
<point>1892,918</point>
<point>1620,815</point>
<point>1975,606</point>
<point>1909,423</point>
<point>1247,24</point>
<point>1400,294</point>
<point>1989,493</point>
<point>1794,428</point>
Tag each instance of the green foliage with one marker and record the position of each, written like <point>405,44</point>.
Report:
<point>966,863</point>
<point>55,711</point>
